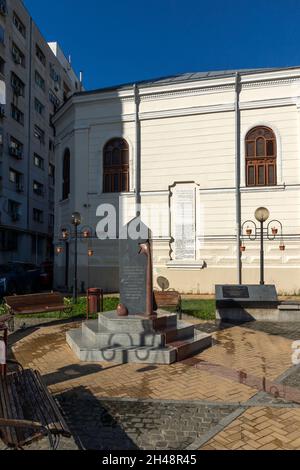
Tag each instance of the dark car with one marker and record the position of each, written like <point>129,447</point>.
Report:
<point>19,278</point>
<point>46,276</point>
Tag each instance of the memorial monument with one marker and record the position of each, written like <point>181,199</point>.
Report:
<point>242,303</point>
<point>136,331</point>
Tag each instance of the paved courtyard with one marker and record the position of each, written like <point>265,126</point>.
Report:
<point>243,393</point>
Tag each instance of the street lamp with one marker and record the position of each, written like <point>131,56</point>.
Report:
<point>262,214</point>
<point>68,234</point>
<point>76,221</point>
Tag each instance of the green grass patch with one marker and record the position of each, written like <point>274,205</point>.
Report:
<point>79,310</point>
<point>202,309</point>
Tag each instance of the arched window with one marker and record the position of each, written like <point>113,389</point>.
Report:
<point>116,166</point>
<point>261,156</point>
<point>66,177</point>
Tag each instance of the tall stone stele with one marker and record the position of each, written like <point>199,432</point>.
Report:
<point>135,269</point>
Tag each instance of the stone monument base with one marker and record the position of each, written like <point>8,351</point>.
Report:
<point>137,339</point>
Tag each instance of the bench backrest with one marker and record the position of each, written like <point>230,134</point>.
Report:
<point>34,300</point>
<point>167,298</point>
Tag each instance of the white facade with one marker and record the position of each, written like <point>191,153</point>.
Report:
<point>38,79</point>
<point>187,129</point>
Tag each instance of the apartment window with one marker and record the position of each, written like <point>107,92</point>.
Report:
<point>18,55</point>
<point>54,100</point>
<point>2,66</point>
<point>261,157</point>
<point>17,115</point>
<point>40,55</point>
<point>3,7</point>
<point>38,188</point>
<point>40,81</point>
<point>13,176</point>
<point>116,166</point>
<point>14,209</point>
<point>66,175</point>
<point>18,85</point>
<point>17,179</point>
<point>39,134</point>
<point>38,161</point>
<point>67,91</point>
<point>38,216</point>
<point>55,76</point>
<point>15,148</point>
<point>19,25</point>
<point>8,240</point>
<point>51,174</point>
<point>2,35</point>
<point>51,220</point>
<point>38,106</point>
<point>37,245</point>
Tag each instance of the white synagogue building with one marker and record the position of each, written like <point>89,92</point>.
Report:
<point>200,152</point>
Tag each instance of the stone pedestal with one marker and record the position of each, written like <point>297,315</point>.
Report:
<point>246,303</point>
<point>137,339</point>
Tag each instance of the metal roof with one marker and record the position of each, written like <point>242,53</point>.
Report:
<point>187,77</point>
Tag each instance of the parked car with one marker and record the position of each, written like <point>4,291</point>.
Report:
<point>46,276</point>
<point>19,278</point>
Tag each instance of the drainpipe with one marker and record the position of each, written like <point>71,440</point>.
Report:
<point>238,175</point>
<point>137,150</point>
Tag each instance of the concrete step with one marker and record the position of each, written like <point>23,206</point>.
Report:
<point>136,323</point>
<point>289,311</point>
<point>87,351</point>
<point>102,337</point>
<point>189,347</point>
<point>183,330</point>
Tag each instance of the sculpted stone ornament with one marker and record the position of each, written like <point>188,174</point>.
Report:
<point>122,311</point>
<point>145,248</point>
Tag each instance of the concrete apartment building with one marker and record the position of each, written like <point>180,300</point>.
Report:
<point>36,80</point>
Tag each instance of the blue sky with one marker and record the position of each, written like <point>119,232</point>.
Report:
<point>120,41</point>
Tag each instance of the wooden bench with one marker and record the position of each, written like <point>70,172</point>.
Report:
<point>3,345</point>
<point>169,299</point>
<point>28,412</point>
<point>36,303</point>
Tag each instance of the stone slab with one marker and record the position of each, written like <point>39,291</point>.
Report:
<point>246,303</point>
<point>133,267</point>
<point>246,295</point>
<point>134,323</point>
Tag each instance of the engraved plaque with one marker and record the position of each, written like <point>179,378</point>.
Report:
<point>184,224</point>
<point>133,271</point>
<point>236,292</point>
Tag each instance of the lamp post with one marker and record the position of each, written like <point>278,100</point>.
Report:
<point>76,221</point>
<point>67,234</point>
<point>262,215</point>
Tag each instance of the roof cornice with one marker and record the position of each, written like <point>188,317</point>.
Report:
<point>200,86</point>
